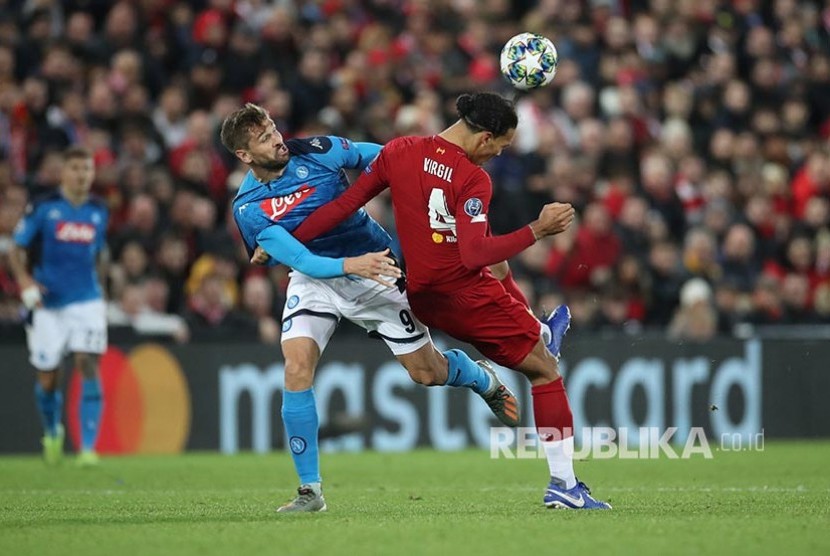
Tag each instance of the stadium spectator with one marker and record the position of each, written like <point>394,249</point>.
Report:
<point>589,260</point>
<point>140,225</point>
<point>258,301</point>
<point>211,316</point>
<point>715,118</point>
<point>172,260</point>
<point>134,309</point>
<point>739,264</point>
<point>695,319</point>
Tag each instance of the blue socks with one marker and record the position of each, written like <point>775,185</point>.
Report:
<point>91,405</point>
<point>299,415</point>
<point>463,371</point>
<point>50,405</point>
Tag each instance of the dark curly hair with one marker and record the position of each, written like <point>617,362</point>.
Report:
<point>487,112</point>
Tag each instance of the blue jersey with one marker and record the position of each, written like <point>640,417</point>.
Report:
<point>313,176</point>
<point>64,241</point>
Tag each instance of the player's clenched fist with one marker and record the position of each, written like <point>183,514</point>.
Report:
<point>260,256</point>
<point>554,219</point>
<point>30,292</point>
<point>373,266</point>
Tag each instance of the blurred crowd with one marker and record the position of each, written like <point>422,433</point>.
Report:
<point>693,136</point>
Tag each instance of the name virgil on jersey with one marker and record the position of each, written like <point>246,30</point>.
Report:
<point>437,169</point>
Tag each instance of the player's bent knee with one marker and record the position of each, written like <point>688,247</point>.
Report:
<point>299,375</point>
<point>87,363</point>
<point>425,377</point>
<point>540,366</point>
<point>426,366</point>
<point>48,380</point>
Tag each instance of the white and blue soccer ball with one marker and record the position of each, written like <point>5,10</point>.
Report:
<point>528,61</point>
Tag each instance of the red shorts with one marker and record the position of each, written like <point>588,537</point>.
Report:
<point>484,315</point>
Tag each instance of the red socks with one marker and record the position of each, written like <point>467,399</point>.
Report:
<point>552,411</point>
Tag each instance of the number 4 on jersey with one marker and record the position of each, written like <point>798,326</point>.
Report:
<point>440,218</point>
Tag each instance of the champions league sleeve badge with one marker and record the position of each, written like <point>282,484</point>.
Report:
<point>473,207</point>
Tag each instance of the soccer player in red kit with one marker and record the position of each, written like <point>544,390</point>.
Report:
<point>441,197</point>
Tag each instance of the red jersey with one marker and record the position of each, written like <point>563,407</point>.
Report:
<point>441,201</point>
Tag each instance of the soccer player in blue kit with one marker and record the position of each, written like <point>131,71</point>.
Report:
<point>287,181</point>
<point>65,234</point>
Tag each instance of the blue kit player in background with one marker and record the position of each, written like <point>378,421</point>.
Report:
<point>64,236</point>
<point>344,273</point>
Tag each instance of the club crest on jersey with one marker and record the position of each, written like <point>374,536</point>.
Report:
<point>75,232</point>
<point>276,208</point>
<point>302,172</point>
<point>292,301</point>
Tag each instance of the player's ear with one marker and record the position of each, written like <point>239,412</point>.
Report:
<point>486,137</point>
<point>243,155</point>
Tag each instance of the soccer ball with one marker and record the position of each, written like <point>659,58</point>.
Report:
<point>529,61</point>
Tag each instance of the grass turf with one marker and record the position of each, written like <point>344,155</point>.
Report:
<point>423,502</point>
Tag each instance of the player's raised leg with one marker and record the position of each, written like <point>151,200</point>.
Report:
<point>388,315</point>
<point>453,367</point>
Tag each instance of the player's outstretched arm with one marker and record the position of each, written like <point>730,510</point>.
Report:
<point>478,249</point>
<point>366,188</point>
<point>282,247</point>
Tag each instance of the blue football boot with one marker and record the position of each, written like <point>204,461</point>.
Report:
<point>559,322</point>
<point>576,498</point>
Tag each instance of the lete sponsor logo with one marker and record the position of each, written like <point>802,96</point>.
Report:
<point>75,232</point>
<point>276,208</point>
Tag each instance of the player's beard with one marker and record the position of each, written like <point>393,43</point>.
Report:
<point>272,165</point>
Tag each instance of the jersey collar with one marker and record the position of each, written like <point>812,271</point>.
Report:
<point>444,143</point>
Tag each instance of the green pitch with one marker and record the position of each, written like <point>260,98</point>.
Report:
<point>771,502</point>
